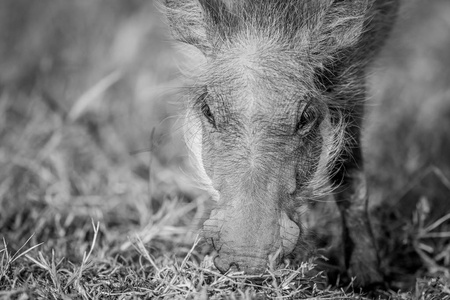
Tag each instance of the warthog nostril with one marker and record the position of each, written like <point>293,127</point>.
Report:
<point>219,265</point>
<point>234,266</point>
<point>224,266</point>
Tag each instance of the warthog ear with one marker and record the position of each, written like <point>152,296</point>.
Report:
<point>187,22</point>
<point>343,23</point>
<point>199,23</point>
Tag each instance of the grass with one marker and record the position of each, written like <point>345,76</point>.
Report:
<point>96,196</point>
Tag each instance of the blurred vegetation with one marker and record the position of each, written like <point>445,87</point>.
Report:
<point>90,132</point>
<point>407,145</point>
<point>409,113</point>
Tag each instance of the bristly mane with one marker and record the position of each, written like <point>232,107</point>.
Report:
<point>283,18</point>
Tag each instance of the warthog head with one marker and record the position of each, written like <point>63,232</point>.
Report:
<point>261,120</point>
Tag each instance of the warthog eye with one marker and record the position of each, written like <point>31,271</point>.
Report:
<point>204,107</point>
<point>307,117</point>
<point>207,113</point>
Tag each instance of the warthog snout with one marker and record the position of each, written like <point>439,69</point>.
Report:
<point>256,219</point>
<point>248,244</point>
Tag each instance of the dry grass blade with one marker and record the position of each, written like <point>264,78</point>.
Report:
<point>16,256</point>
<point>93,94</point>
<point>26,251</point>
<point>437,223</point>
<point>188,255</point>
<point>42,263</point>
<point>140,247</point>
<point>94,239</point>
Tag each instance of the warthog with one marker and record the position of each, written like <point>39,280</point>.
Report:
<point>274,120</point>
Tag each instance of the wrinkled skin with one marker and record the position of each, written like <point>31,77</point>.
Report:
<point>274,120</point>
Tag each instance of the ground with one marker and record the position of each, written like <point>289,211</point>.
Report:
<point>97,200</point>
